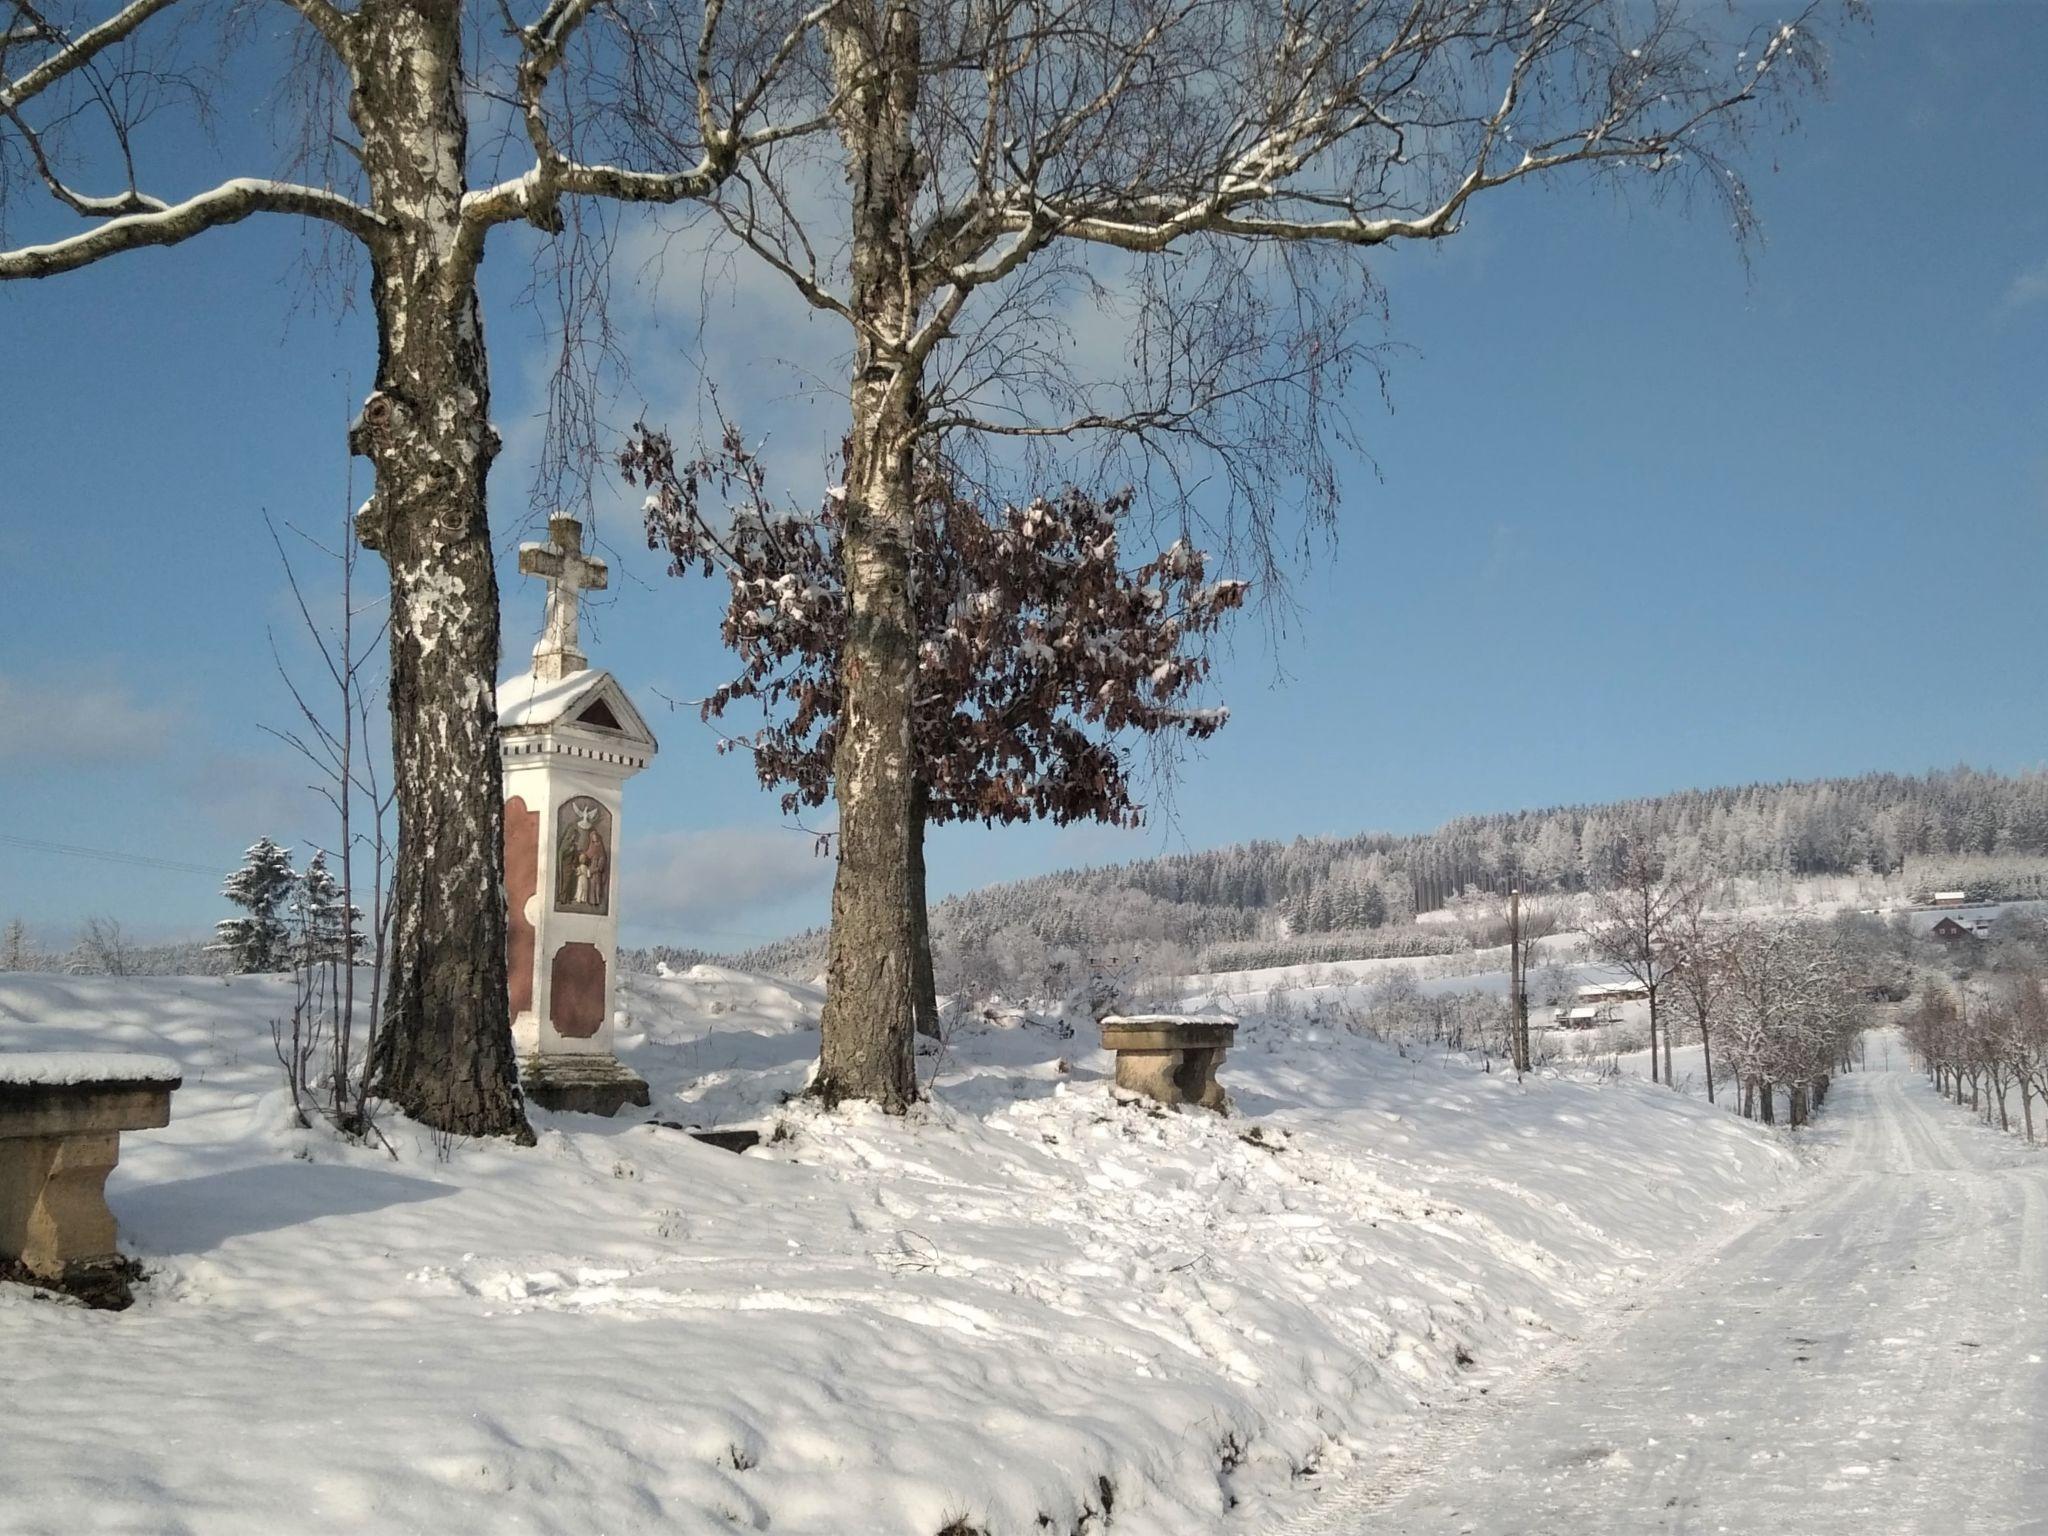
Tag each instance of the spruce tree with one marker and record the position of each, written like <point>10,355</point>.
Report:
<point>327,931</point>
<point>258,941</point>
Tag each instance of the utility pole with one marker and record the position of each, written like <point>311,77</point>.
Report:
<point>1518,982</point>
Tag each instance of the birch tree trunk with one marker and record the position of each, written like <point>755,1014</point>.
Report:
<point>871,972</point>
<point>445,1053</point>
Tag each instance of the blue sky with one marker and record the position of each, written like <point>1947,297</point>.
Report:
<point>1642,519</point>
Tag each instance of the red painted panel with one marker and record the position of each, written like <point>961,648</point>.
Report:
<point>576,991</point>
<point>522,879</point>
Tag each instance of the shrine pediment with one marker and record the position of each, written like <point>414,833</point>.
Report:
<point>587,701</point>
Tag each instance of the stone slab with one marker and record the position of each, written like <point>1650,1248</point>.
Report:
<point>585,1085</point>
<point>1149,1035</point>
<point>70,1109</point>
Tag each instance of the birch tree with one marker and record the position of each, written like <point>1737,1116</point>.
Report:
<point>1227,168</point>
<point>385,91</point>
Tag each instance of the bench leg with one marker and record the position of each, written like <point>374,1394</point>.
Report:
<point>53,1201</point>
<point>1152,1074</point>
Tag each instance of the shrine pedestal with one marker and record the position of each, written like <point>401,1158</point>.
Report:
<point>587,1085</point>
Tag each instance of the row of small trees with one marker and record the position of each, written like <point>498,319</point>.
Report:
<point>1983,1041</point>
<point>102,948</point>
<point>1787,1008</point>
<point>1783,1000</point>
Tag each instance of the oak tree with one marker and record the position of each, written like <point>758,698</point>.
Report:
<point>995,158</point>
<point>1041,656</point>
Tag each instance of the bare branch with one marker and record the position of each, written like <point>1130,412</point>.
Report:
<point>229,203</point>
<point>80,51</point>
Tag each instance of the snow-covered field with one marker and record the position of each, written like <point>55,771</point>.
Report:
<point>1019,1308</point>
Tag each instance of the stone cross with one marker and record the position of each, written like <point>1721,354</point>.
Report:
<point>569,573</point>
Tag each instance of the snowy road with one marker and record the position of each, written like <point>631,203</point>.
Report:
<point>1872,1356</point>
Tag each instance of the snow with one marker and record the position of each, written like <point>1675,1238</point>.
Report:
<point>994,1309</point>
<point>525,700</point>
<point>64,1069</point>
<point>1867,1357</point>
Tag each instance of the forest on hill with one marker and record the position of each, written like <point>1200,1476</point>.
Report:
<point>1358,896</point>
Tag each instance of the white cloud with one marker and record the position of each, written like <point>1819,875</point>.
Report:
<point>78,722</point>
<point>2029,287</point>
<point>709,881</point>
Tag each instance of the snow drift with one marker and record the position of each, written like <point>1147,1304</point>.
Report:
<point>1027,1308</point>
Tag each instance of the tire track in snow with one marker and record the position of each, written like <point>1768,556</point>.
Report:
<point>1865,1356</point>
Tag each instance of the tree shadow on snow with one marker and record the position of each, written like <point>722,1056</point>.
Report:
<point>197,1214</point>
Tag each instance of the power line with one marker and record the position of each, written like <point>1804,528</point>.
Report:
<point>105,855</point>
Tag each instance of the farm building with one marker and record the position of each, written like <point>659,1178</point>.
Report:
<point>1589,1016</point>
<point>1604,992</point>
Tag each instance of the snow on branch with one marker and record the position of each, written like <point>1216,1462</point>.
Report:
<point>229,203</point>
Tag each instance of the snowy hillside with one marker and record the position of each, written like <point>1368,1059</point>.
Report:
<point>1021,1308</point>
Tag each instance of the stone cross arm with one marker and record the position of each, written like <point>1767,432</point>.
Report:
<point>562,560</point>
<point>568,572</point>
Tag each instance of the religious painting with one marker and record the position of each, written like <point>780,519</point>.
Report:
<point>583,857</point>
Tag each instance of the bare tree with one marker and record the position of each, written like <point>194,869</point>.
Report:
<point>1699,970</point>
<point>2028,1003</point>
<point>1790,1013</point>
<point>337,742</point>
<point>1634,930</point>
<point>101,950</point>
<point>386,91</point>
<point>994,151</point>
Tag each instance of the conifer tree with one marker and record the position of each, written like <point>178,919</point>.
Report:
<point>259,941</point>
<point>328,931</point>
<point>14,946</point>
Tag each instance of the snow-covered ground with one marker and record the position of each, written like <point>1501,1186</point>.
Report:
<point>1021,1305</point>
<point>1871,1355</point>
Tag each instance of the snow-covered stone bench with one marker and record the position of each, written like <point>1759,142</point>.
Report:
<point>61,1118</point>
<point>1170,1057</point>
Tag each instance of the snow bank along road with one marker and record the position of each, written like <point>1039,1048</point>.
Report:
<point>1871,1356</point>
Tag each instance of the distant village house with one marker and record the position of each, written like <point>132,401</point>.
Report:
<point>1612,992</point>
<point>1586,1017</point>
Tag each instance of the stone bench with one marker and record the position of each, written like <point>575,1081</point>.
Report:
<point>61,1118</point>
<point>1170,1057</point>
